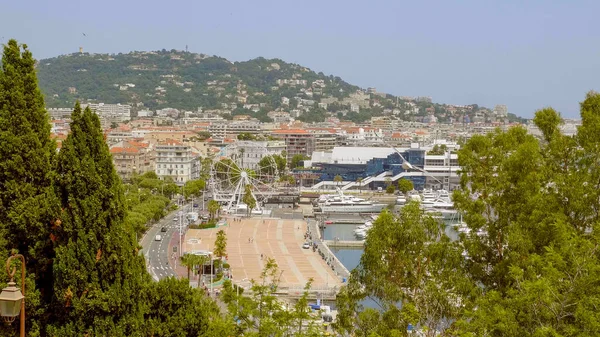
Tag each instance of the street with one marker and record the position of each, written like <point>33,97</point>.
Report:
<point>157,252</point>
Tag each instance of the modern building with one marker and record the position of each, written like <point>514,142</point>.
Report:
<point>377,166</point>
<point>177,161</point>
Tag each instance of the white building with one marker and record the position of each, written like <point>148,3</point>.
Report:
<point>122,111</point>
<point>249,153</point>
<point>176,160</point>
<point>501,110</point>
<point>225,130</point>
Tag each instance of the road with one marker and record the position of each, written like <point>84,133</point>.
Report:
<point>157,252</point>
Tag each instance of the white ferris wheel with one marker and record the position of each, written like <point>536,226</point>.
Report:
<point>245,168</point>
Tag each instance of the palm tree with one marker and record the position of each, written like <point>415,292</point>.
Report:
<point>388,181</point>
<point>338,179</point>
<point>201,260</point>
<point>359,181</point>
<point>187,260</point>
<point>213,208</point>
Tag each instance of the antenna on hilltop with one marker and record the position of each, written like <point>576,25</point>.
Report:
<point>186,48</point>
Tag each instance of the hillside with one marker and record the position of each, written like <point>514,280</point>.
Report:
<point>187,81</point>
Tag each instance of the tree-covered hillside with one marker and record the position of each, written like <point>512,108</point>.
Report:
<point>188,81</point>
<point>184,80</point>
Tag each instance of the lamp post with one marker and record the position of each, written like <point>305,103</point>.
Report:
<point>11,299</point>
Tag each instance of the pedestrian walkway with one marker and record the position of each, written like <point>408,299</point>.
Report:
<point>281,239</point>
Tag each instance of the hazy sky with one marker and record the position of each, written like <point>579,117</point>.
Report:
<point>525,54</point>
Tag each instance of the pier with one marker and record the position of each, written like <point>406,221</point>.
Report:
<point>339,268</point>
<point>344,244</point>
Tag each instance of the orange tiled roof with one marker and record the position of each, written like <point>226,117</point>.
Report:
<point>290,131</point>
<point>124,150</point>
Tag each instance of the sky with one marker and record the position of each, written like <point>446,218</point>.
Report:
<point>525,54</point>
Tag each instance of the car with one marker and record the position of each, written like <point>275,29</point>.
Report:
<point>306,245</point>
<point>164,229</point>
<point>157,237</point>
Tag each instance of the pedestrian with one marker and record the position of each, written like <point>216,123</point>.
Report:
<point>261,256</point>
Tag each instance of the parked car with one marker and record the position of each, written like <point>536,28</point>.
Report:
<point>306,245</point>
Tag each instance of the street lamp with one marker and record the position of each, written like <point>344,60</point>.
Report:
<point>12,300</point>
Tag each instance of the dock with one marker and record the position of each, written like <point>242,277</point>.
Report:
<point>328,255</point>
<point>344,244</point>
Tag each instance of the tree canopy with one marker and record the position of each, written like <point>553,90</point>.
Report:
<point>405,185</point>
<point>529,266</point>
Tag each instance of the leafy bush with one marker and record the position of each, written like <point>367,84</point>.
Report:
<point>390,189</point>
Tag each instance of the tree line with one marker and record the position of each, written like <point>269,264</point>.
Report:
<point>529,263</point>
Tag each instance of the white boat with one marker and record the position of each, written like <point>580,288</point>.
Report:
<point>364,227</point>
<point>445,208</point>
<point>443,195</point>
<point>462,227</point>
<point>401,200</point>
<point>361,235</point>
<point>428,194</point>
<point>340,203</point>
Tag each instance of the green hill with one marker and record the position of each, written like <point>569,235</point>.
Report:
<point>187,78</point>
<point>187,81</point>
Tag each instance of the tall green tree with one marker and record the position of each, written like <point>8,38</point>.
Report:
<point>213,208</point>
<point>194,188</point>
<point>249,199</point>
<point>261,313</point>
<point>538,203</point>
<point>409,268</point>
<point>405,186</point>
<point>296,159</point>
<point>220,249</point>
<point>99,275</point>
<point>28,205</point>
<point>175,309</point>
<point>338,179</point>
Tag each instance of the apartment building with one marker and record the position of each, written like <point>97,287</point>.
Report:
<point>176,160</point>
<point>325,140</point>
<point>111,111</point>
<point>132,157</point>
<point>297,141</point>
<point>231,130</point>
<point>249,153</point>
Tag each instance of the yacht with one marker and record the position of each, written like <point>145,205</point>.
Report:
<point>340,203</point>
<point>362,228</point>
<point>428,194</point>
<point>443,195</point>
<point>462,227</point>
<point>401,200</point>
<point>445,208</point>
<point>361,235</point>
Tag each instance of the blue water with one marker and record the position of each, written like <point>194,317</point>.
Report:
<point>350,258</point>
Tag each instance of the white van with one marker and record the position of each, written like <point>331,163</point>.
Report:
<point>157,237</point>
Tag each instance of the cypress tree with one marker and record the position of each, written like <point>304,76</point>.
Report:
<point>27,154</point>
<point>99,276</point>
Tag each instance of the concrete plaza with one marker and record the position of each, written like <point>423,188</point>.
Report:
<point>280,239</point>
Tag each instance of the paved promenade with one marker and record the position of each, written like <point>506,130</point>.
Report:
<point>280,239</point>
